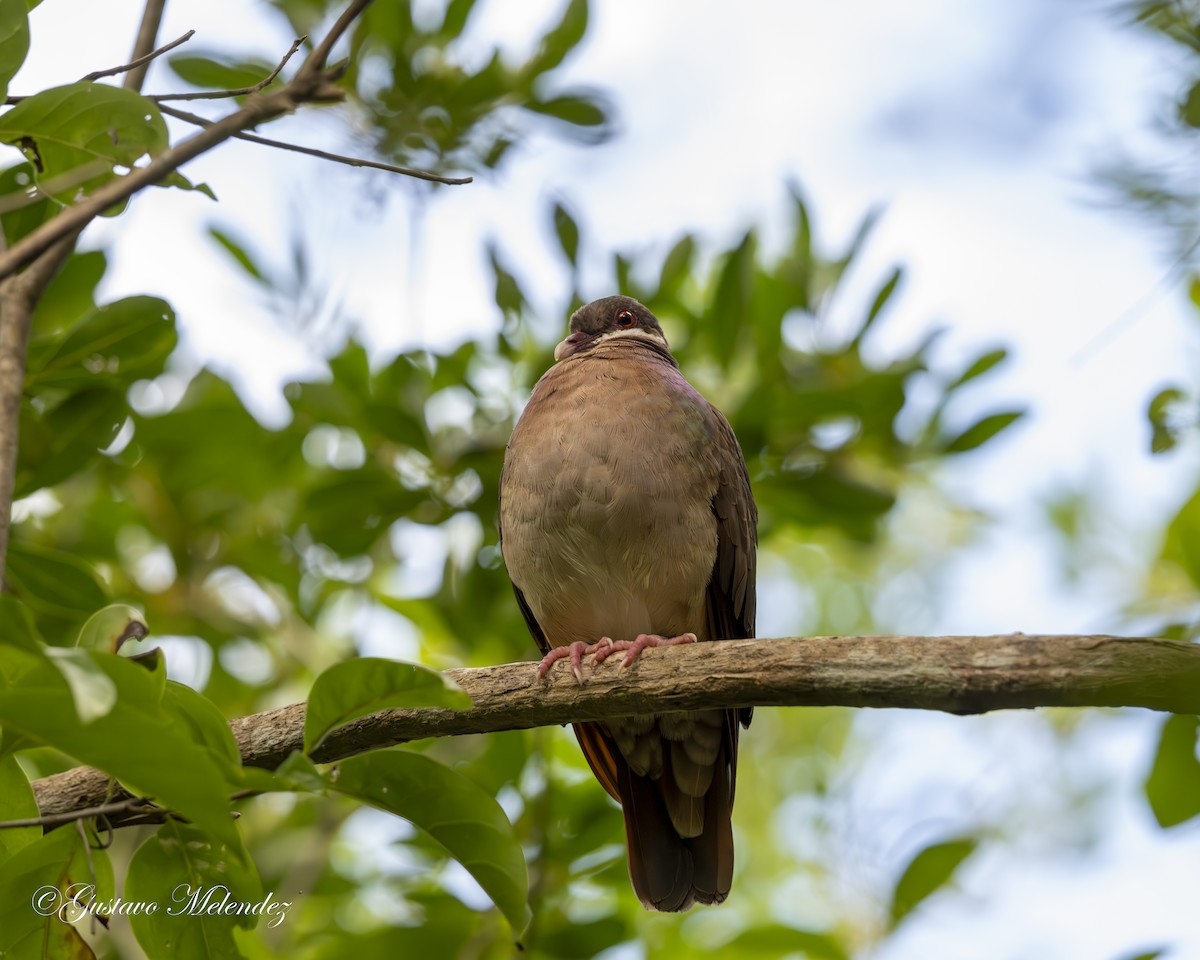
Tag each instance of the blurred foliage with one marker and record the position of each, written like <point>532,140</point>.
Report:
<point>266,559</point>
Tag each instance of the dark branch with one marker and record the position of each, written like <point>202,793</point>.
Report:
<point>955,674</point>
<point>243,92</point>
<point>322,154</point>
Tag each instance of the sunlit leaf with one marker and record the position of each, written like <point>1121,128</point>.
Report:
<point>16,803</point>
<point>118,343</point>
<point>1163,414</point>
<point>76,134</point>
<point>366,685</point>
<point>455,812</point>
<point>110,628</point>
<point>140,741</point>
<point>1173,786</point>
<point>14,40</point>
<point>92,690</point>
<point>187,871</point>
<point>42,885</point>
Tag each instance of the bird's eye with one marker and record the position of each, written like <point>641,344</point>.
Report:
<point>626,319</point>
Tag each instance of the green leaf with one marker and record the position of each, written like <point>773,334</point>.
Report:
<point>68,437</point>
<point>109,629</point>
<point>17,626</point>
<point>44,885</point>
<point>92,690</point>
<point>562,39</point>
<point>366,685</point>
<point>205,722</point>
<point>568,232</point>
<point>729,310</point>
<point>178,181</point>
<point>1173,786</point>
<point>575,109</point>
<point>190,873</point>
<point>140,741</point>
<point>982,431</point>
<point>877,305</point>
<point>777,940</point>
<point>216,72</point>
<point>454,811</point>
<point>1189,108</point>
<point>75,135</point>
<point>32,211</point>
<point>928,872</point>
<point>16,803</point>
<point>979,366</point>
<point>676,265</point>
<point>352,509</point>
<point>1183,539</point>
<point>14,40</point>
<point>118,343</point>
<point>508,296</point>
<point>1162,414</point>
<point>455,19</point>
<point>238,251</point>
<point>53,580</point>
<point>71,293</point>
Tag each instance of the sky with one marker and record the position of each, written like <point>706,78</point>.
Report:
<point>977,126</point>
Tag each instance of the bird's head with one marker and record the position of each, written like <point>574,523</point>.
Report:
<point>608,319</point>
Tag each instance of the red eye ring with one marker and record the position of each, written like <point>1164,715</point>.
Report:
<point>626,319</point>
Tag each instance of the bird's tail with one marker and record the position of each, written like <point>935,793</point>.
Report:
<point>669,873</point>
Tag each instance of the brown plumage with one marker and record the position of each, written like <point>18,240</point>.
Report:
<point>625,510</point>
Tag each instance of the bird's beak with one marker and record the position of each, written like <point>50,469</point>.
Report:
<point>573,344</point>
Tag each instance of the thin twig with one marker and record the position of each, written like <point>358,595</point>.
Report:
<point>143,46</point>
<point>316,60</point>
<point>323,154</point>
<point>128,805</point>
<point>140,61</point>
<point>243,92</point>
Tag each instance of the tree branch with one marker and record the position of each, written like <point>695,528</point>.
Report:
<point>243,92</point>
<point>143,45</point>
<point>313,82</point>
<point>140,61</point>
<point>322,154</point>
<point>961,675</point>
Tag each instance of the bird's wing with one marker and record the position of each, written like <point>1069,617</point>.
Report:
<point>730,600</point>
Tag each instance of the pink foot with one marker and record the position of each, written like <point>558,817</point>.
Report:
<point>576,652</point>
<point>633,647</point>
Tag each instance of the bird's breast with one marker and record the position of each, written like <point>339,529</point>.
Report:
<point>606,501</point>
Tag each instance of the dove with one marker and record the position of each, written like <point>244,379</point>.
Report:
<point>627,522</point>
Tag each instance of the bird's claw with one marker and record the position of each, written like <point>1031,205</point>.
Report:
<point>633,647</point>
<point>575,652</point>
<point>604,648</point>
